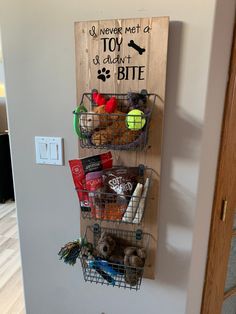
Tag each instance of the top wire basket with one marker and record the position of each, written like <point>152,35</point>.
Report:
<point>114,121</point>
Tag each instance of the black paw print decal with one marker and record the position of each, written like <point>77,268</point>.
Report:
<point>103,74</point>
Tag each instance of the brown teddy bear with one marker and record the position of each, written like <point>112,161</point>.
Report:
<point>134,260</point>
<point>106,245</point>
<point>131,259</point>
<point>112,129</point>
<point>108,248</point>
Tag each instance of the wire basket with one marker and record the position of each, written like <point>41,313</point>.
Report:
<point>112,272</point>
<point>113,207</point>
<point>121,130</point>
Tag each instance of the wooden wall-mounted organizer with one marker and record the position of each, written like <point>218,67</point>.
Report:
<point>117,58</point>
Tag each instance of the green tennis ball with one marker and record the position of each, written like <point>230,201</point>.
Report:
<point>135,120</point>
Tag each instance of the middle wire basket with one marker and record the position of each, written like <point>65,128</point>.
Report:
<point>124,255</point>
<point>117,207</point>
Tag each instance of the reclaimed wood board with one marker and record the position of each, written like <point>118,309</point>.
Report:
<point>119,56</point>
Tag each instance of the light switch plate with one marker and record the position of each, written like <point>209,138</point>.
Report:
<point>49,150</point>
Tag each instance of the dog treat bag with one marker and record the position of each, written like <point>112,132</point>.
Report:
<point>79,169</point>
<point>121,180</point>
<point>114,211</point>
<point>94,185</point>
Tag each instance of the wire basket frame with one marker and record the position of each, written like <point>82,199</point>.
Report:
<point>111,130</point>
<point>107,272</point>
<point>113,207</point>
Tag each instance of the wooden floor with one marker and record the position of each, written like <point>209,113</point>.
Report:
<point>11,288</point>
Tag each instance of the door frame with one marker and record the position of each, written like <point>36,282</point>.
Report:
<point>224,202</point>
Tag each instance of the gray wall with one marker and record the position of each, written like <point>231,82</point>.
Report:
<point>38,47</point>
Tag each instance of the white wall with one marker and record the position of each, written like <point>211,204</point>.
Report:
<point>217,82</point>
<point>38,47</point>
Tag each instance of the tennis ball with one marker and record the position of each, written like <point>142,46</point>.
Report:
<point>135,120</point>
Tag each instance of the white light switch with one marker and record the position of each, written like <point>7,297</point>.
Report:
<point>53,151</point>
<point>43,151</point>
<point>49,150</point>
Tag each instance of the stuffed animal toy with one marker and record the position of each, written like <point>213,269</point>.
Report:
<point>98,99</point>
<point>88,122</point>
<point>115,250</point>
<point>112,129</point>
<point>105,118</point>
<point>106,245</point>
<point>134,260</point>
<point>134,256</point>
<point>71,251</point>
<point>134,101</point>
<point>137,101</point>
<point>110,105</point>
<point>106,124</point>
<point>99,117</point>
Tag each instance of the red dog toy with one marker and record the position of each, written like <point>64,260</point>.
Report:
<point>110,105</point>
<point>99,99</point>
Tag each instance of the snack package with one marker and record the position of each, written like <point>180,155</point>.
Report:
<point>114,211</point>
<point>120,182</point>
<point>79,169</point>
<point>94,185</point>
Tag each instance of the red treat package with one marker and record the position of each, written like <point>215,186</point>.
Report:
<point>79,169</point>
<point>94,184</point>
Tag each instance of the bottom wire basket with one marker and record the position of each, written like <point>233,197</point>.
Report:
<point>119,257</point>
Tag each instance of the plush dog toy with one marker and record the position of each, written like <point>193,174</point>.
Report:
<point>134,260</point>
<point>106,245</point>
<point>112,129</point>
<point>130,258</point>
<point>106,124</point>
<point>88,122</point>
<point>110,105</point>
<point>137,101</point>
<point>91,120</point>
